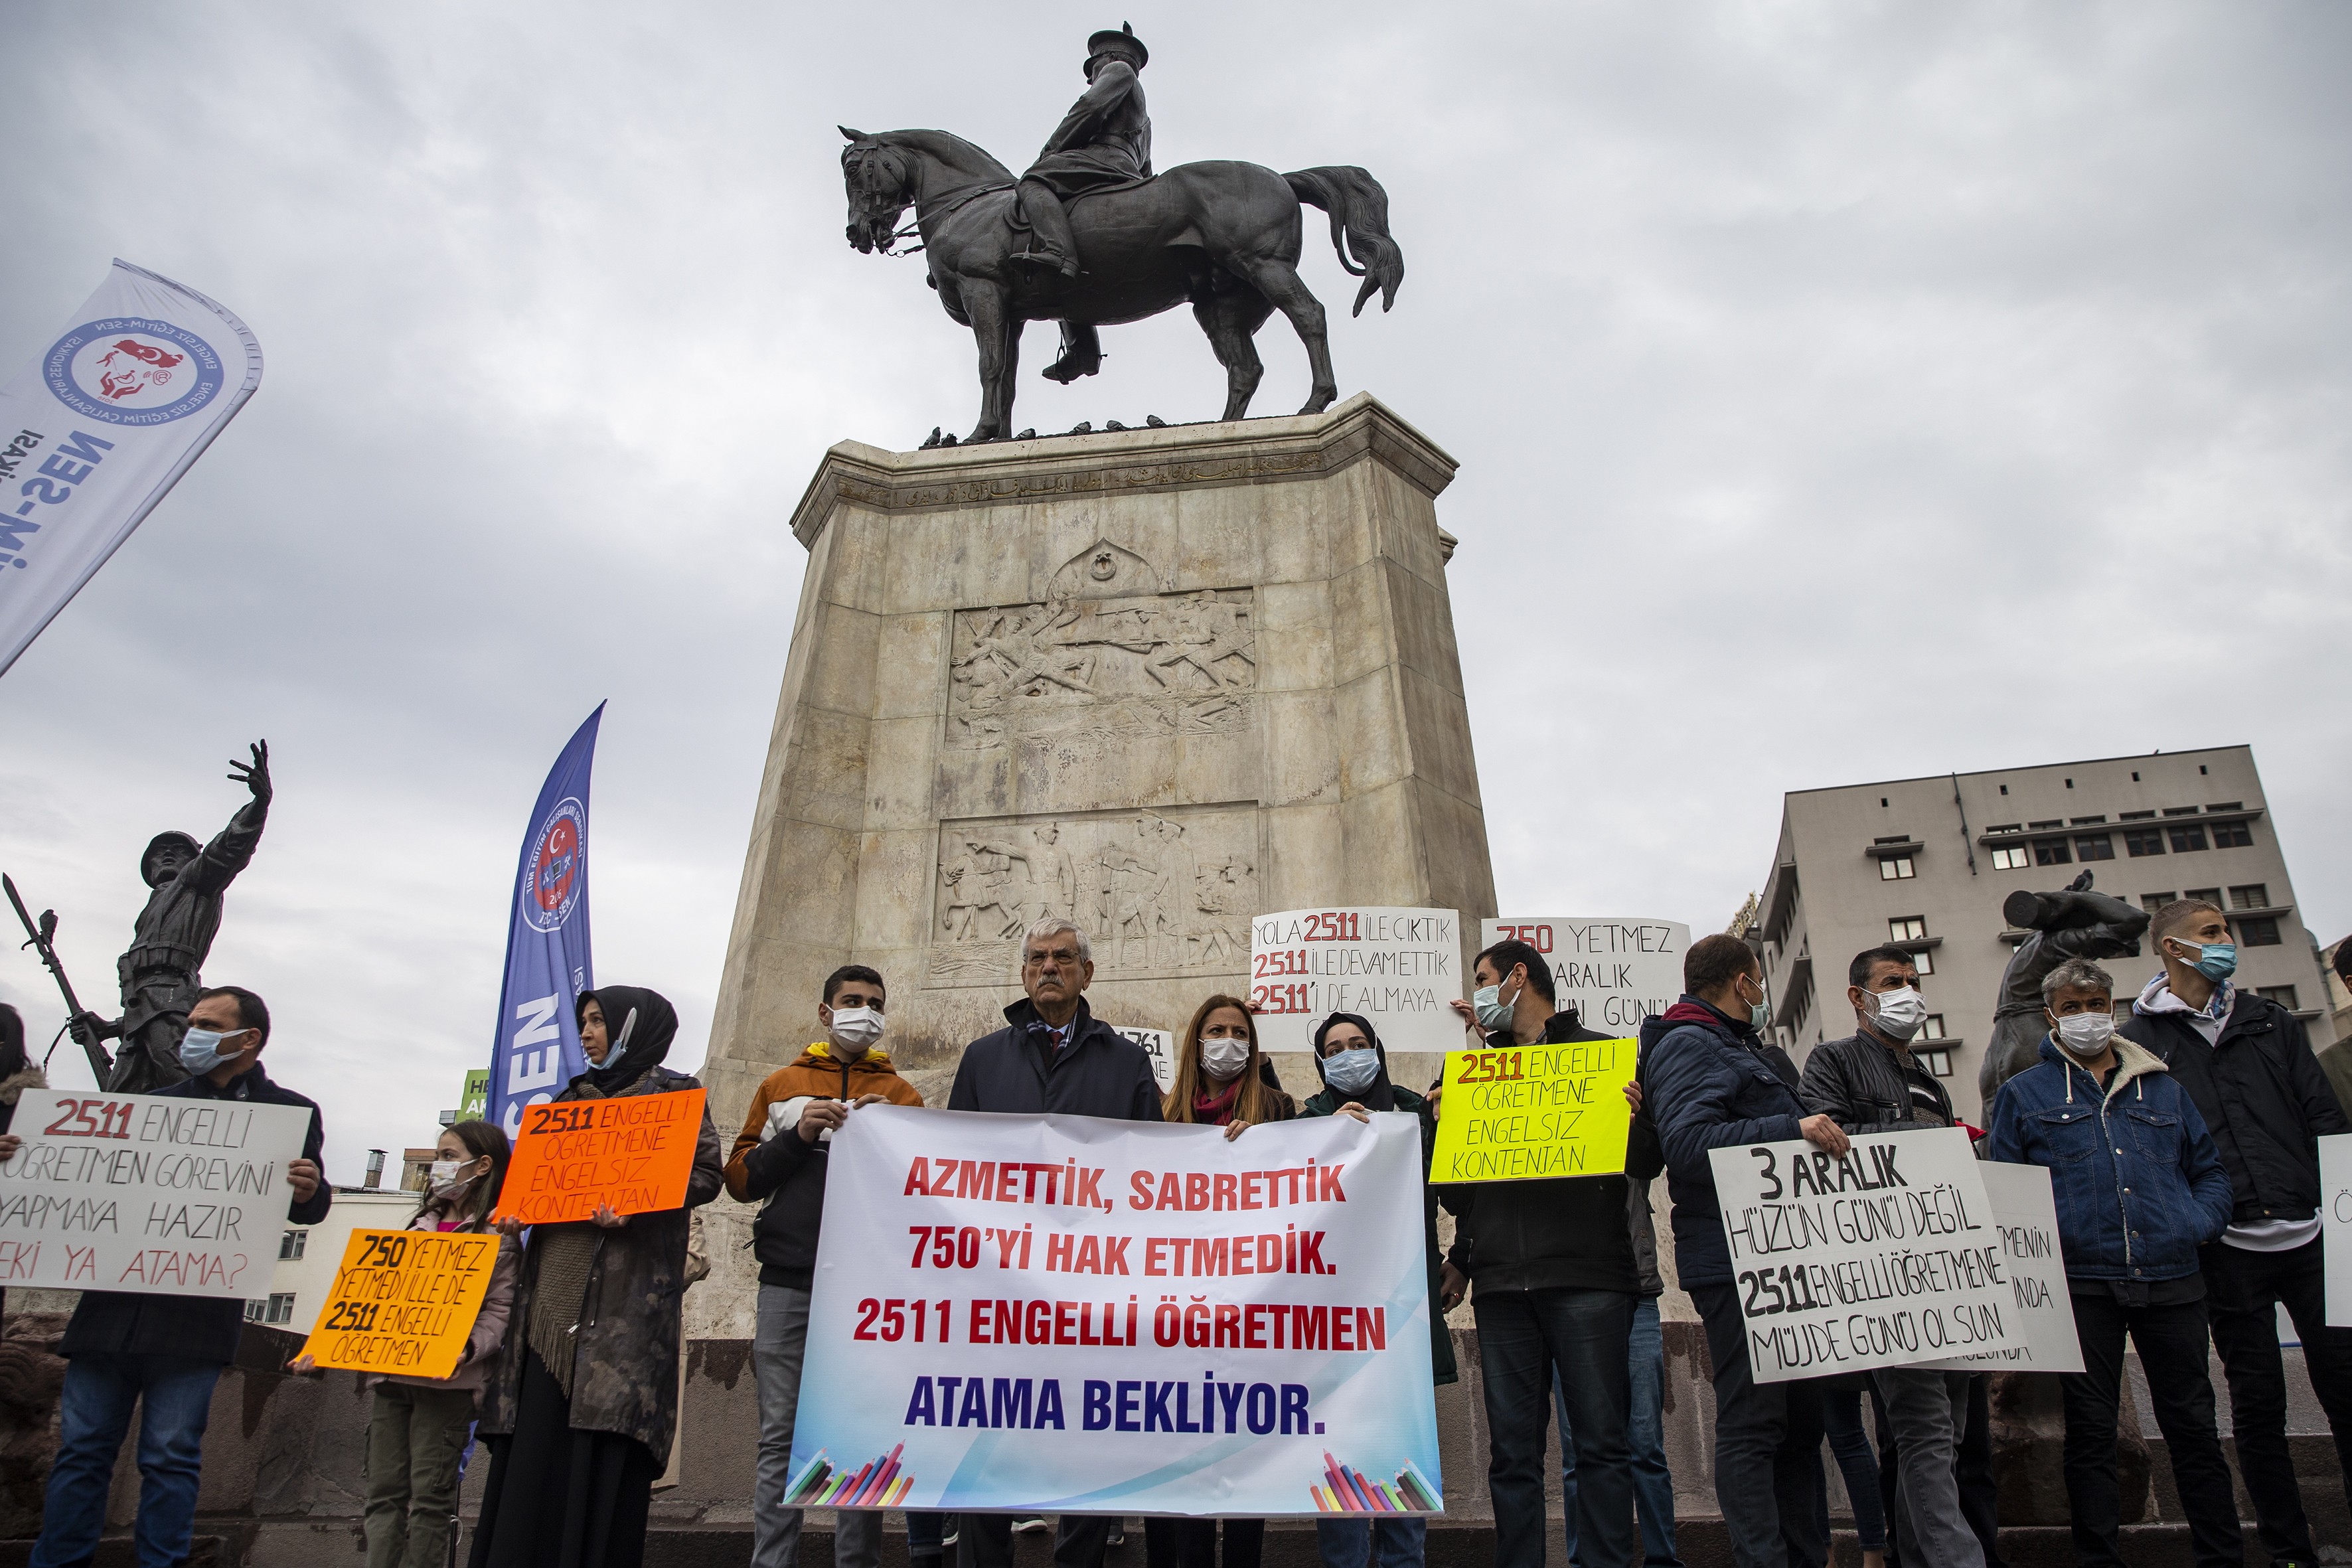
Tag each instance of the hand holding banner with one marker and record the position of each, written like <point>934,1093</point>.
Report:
<point>1887,1255</point>
<point>403,1301</point>
<point>632,1153</point>
<point>159,1193</point>
<point>1527,1113</point>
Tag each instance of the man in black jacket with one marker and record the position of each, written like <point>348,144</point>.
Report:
<point>1054,1056</point>
<point>1554,1285</point>
<point>2246,1063</point>
<point>163,1353</point>
<point>1870,1082</point>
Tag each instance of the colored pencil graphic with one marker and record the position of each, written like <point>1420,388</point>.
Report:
<point>1344,1490</point>
<point>879,1483</point>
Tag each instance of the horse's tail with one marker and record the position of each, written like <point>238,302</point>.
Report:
<point>1360,224</point>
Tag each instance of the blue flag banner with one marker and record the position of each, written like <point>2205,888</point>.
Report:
<point>548,956</point>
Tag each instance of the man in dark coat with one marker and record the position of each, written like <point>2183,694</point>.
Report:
<point>162,1354</point>
<point>172,935</point>
<point>1052,1057</point>
<point>2248,1067</point>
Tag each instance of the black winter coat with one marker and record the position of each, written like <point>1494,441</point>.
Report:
<point>1099,1073</point>
<point>2264,1096</point>
<point>200,1328</point>
<point>1860,1083</point>
<point>1564,1232</point>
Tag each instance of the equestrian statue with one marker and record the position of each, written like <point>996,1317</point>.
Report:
<point>1091,236</point>
<point>2075,923</point>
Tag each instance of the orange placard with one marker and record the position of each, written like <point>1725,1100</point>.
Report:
<point>634,1153</point>
<point>403,1301</point>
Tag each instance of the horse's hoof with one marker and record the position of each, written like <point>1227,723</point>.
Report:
<point>1319,401</point>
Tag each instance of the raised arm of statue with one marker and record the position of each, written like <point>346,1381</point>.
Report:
<point>231,849</point>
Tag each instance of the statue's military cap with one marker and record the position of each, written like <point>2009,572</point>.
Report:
<point>163,841</point>
<point>1124,38</point>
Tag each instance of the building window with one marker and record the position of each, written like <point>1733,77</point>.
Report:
<point>291,1245</point>
<point>1940,1063</point>
<point>2001,828</point>
<point>1924,961</point>
<point>2205,896</point>
<point>2251,896</point>
<point>2283,995</point>
<point>1933,1029</point>
<point>2051,852</point>
<point>2095,846</point>
<point>2137,817</point>
<point>1897,868</point>
<point>2233,835</point>
<point>2053,822</point>
<point>2261,932</point>
<point>2152,902</point>
<point>277,1308</point>
<point>2180,811</point>
<point>2187,838</point>
<point>2088,821</point>
<point>2014,857</point>
<point>1906,928</point>
<point>2144,841</point>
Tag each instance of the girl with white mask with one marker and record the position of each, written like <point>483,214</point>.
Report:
<point>1221,1077</point>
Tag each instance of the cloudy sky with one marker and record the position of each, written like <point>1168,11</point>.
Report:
<point>1842,392</point>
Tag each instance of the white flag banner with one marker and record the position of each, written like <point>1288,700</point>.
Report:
<point>101,426</point>
<point>1616,973</point>
<point>157,1194</point>
<point>1887,1255</point>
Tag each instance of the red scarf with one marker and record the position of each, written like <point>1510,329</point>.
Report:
<point>1217,1110</point>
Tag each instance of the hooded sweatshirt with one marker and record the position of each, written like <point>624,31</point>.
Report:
<point>773,1163</point>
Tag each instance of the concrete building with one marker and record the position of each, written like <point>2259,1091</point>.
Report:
<point>1923,864</point>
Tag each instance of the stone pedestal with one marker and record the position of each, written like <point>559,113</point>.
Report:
<point>1156,680</point>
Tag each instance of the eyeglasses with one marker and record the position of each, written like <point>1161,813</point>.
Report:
<point>1067,957</point>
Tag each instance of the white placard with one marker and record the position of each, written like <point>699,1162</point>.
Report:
<point>1616,971</point>
<point>2335,1228</point>
<point>1888,1255</point>
<point>146,1193</point>
<point>2027,1216</point>
<point>1397,967</point>
<point>1160,1047</point>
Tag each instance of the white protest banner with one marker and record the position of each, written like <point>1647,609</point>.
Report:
<point>1397,967</point>
<point>1887,1255</point>
<point>146,1193</point>
<point>98,428</point>
<point>2335,1226</point>
<point>1160,1047</point>
<point>1061,1314</point>
<point>2041,1311</point>
<point>1615,972</point>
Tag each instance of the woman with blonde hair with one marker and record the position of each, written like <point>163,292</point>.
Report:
<point>1221,1077</point>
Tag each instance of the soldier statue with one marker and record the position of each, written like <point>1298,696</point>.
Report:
<point>172,935</point>
<point>2075,923</point>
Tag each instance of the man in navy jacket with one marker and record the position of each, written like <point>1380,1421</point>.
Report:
<point>1711,1081</point>
<point>163,1353</point>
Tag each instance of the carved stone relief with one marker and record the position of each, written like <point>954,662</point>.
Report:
<point>1157,892</point>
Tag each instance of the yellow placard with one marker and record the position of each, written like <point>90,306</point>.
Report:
<point>403,1301</point>
<point>1527,1112</point>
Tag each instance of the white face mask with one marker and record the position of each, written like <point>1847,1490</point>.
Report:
<point>1222,1059</point>
<point>2085,1035</point>
<point>854,1029</point>
<point>444,1180</point>
<point>1900,1013</point>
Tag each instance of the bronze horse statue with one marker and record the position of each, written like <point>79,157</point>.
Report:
<point>2074,923</point>
<point>1224,236</point>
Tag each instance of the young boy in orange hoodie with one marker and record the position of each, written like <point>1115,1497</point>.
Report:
<point>780,1161</point>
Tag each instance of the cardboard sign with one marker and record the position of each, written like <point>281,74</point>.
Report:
<point>1524,1113</point>
<point>1615,972</point>
<point>1160,1047</point>
<point>1397,967</point>
<point>148,1192</point>
<point>2335,1226</point>
<point>1888,1256</point>
<point>403,1301</point>
<point>2027,1214</point>
<point>635,1152</point>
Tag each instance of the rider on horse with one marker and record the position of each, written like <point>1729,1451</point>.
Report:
<point>1104,143</point>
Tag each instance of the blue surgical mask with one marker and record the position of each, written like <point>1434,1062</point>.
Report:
<point>1351,1072</point>
<point>1494,1013</point>
<point>2216,961</point>
<point>200,1049</point>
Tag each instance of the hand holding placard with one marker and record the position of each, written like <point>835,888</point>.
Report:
<point>628,1155</point>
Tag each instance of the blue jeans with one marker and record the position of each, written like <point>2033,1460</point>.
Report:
<point>1646,1434</point>
<point>174,1396</point>
<point>1857,1461</point>
<point>1530,1342</point>
<point>1348,1542</point>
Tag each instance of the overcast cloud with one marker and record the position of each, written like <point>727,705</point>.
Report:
<point>1842,393</point>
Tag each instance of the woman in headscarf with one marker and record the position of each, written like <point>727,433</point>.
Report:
<point>1221,1077</point>
<point>1354,1067</point>
<point>582,1411</point>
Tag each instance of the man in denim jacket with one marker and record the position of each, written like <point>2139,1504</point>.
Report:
<point>2139,1188</point>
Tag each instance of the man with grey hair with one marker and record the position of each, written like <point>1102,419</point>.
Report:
<point>1053,1056</point>
<point>2139,1189</point>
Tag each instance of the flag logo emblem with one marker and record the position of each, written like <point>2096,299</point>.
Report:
<point>128,370</point>
<point>555,878</point>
